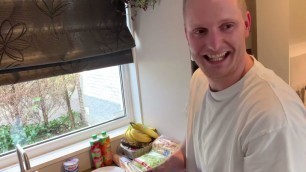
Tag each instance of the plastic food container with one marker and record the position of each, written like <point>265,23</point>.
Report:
<point>71,165</point>
<point>135,153</point>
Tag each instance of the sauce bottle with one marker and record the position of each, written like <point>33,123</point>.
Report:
<point>96,153</point>
<point>106,149</point>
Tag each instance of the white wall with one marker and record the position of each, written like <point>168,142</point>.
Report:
<point>162,57</point>
<point>273,35</point>
<point>297,21</point>
<point>298,71</point>
<point>297,48</point>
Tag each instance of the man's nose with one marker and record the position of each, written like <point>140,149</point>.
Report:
<point>214,41</point>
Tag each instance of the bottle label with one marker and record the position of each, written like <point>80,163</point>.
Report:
<point>106,151</point>
<point>96,155</point>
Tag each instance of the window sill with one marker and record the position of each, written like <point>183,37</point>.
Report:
<point>64,153</point>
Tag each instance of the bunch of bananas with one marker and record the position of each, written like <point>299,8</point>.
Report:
<point>138,133</point>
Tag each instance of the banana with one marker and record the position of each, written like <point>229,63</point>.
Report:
<point>154,129</point>
<point>139,136</point>
<point>144,129</point>
<point>128,136</point>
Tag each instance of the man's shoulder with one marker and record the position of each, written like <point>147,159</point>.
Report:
<point>198,84</point>
<point>198,78</point>
<point>268,83</point>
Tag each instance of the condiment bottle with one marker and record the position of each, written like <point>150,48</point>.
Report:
<point>106,149</point>
<point>96,153</point>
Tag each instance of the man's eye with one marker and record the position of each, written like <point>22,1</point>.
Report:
<point>200,31</point>
<point>227,26</point>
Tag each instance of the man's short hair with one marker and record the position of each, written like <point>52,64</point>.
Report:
<point>242,5</point>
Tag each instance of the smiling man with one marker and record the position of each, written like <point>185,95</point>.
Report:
<point>242,117</point>
<point>216,32</point>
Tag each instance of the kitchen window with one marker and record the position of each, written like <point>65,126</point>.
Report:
<point>36,112</point>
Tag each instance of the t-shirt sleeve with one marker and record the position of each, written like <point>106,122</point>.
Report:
<point>196,93</point>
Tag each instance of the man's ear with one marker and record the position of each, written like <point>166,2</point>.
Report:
<point>247,23</point>
<point>185,30</point>
<point>186,33</point>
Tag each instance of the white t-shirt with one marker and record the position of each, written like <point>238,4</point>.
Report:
<point>256,125</point>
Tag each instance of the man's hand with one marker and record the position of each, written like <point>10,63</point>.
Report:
<point>175,163</point>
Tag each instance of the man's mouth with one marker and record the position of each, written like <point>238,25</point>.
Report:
<point>216,57</point>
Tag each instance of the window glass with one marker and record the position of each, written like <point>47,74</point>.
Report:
<point>34,111</point>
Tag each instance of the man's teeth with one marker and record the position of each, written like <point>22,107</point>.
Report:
<point>216,57</point>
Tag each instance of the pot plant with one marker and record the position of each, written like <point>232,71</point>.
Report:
<point>135,5</point>
<point>140,4</point>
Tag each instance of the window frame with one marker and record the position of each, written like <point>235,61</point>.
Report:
<point>46,146</point>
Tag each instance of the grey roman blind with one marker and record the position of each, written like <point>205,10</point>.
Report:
<point>44,38</point>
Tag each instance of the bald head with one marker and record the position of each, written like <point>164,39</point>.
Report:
<point>241,3</point>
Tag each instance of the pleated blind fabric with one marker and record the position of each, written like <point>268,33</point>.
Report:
<point>44,38</point>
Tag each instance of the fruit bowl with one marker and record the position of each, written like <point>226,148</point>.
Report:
<point>138,140</point>
<point>133,153</point>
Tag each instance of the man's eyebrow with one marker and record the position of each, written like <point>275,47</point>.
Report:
<point>227,20</point>
<point>197,25</point>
